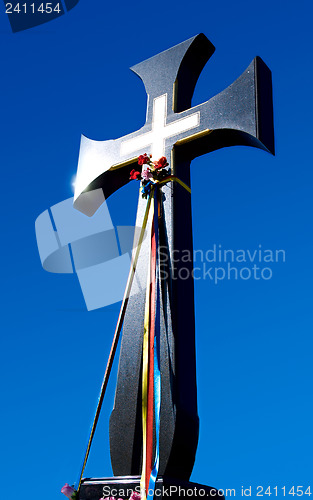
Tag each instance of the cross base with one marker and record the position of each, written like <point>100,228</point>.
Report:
<point>121,487</point>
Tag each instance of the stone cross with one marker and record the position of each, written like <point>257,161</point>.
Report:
<point>239,115</point>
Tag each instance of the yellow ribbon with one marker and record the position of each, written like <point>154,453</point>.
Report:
<point>173,178</point>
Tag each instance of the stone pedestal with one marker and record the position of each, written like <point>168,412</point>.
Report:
<point>123,486</point>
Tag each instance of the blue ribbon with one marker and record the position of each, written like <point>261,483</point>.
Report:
<point>146,188</point>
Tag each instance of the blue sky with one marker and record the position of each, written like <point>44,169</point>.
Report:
<point>254,338</point>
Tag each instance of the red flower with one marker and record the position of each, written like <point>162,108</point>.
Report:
<point>134,175</point>
<point>161,163</point>
<point>142,159</point>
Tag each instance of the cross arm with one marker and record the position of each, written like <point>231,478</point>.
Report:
<point>100,173</point>
<point>242,114</point>
<point>179,68</point>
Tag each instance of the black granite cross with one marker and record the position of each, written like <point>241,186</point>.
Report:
<point>240,115</point>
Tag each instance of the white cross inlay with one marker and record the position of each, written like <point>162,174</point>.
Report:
<point>160,131</point>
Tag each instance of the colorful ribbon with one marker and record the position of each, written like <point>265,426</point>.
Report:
<point>115,341</point>
<point>157,371</point>
<point>146,450</point>
<point>151,374</point>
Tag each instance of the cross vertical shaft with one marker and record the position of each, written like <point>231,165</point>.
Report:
<point>179,418</point>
